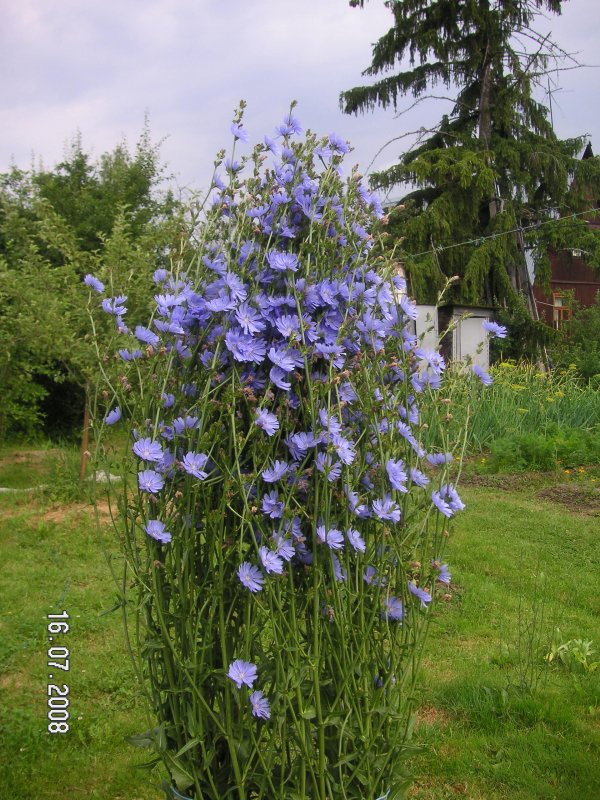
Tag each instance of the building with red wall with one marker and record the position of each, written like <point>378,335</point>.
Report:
<point>572,282</point>
<point>570,277</point>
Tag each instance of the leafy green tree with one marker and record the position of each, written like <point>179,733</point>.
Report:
<point>107,218</point>
<point>493,172</point>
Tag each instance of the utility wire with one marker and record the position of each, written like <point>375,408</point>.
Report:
<point>480,239</point>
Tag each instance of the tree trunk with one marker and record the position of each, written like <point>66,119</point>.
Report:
<point>485,101</point>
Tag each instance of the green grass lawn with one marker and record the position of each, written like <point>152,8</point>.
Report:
<point>497,722</point>
<point>52,561</point>
<point>494,720</point>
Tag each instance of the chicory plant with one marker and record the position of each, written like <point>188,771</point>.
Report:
<point>282,525</point>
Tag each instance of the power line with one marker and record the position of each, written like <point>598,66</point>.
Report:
<point>480,239</point>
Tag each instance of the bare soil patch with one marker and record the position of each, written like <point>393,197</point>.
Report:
<point>11,681</point>
<point>430,715</point>
<point>427,788</point>
<point>73,512</point>
<point>578,498</point>
<point>34,458</point>
<point>508,482</point>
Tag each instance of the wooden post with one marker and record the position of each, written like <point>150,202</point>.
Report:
<point>85,436</point>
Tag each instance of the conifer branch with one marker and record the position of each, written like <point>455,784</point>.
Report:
<point>476,174</point>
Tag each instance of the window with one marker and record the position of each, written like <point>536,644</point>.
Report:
<point>560,310</point>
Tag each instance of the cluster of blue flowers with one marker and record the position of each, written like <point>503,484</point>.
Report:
<point>319,348</point>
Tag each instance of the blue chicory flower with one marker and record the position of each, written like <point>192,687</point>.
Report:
<point>249,319</point>
<point>339,573</point>
<point>242,673</point>
<point>345,449</point>
<point>260,705</point>
<point>94,283</point>
<point>271,561</point>
<point>239,132</point>
<point>386,508</point>
<point>271,145</point>
<point>359,509</point>
<point>114,305</point>
<point>440,503</point>
<point>285,358</point>
<point>127,355</point>
<point>370,576</point>
<point>332,425</point>
<point>288,326</point>
<point>393,609</point>
<point>397,474</point>
<point>145,335</point>
<point>232,166</point>
<point>251,577</point>
<point>443,575</point>
<point>267,421</point>
<point>156,529</point>
<point>333,538</point>
<point>437,459</point>
<point>113,416</point>
<point>421,594</point>
<point>418,477</point>
<point>324,463</point>
<point>356,540</point>
<point>148,450</point>
<point>165,465</point>
<point>282,261</point>
<point>272,505</point>
<point>244,347</point>
<point>499,331</point>
<point>454,501</point>
<point>283,547</point>
<point>194,463</point>
<point>483,376</point>
<point>150,481</point>
<point>181,424</point>
<point>168,399</point>
<point>275,472</point>
<point>278,377</point>
<point>447,501</point>
<point>289,126</point>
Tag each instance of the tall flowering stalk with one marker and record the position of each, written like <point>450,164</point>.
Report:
<point>283,526</point>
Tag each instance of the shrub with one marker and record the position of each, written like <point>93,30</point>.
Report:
<point>564,448</point>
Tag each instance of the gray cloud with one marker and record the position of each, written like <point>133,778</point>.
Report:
<point>98,67</point>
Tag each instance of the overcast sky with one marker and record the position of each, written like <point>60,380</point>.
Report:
<point>98,66</point>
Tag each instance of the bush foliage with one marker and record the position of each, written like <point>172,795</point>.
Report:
<point>56,225</point>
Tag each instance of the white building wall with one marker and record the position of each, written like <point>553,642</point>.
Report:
<point>426,327</point>
<point>469,338</point>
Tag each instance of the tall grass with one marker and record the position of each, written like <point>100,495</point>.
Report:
<point>521,401</point>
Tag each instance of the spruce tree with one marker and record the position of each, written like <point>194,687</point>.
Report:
<point>492,172</point>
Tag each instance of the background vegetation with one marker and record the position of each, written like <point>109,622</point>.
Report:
<point>107,217</point>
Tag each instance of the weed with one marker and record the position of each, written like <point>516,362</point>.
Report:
<point>63,482</point>
<point>575,654</point>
